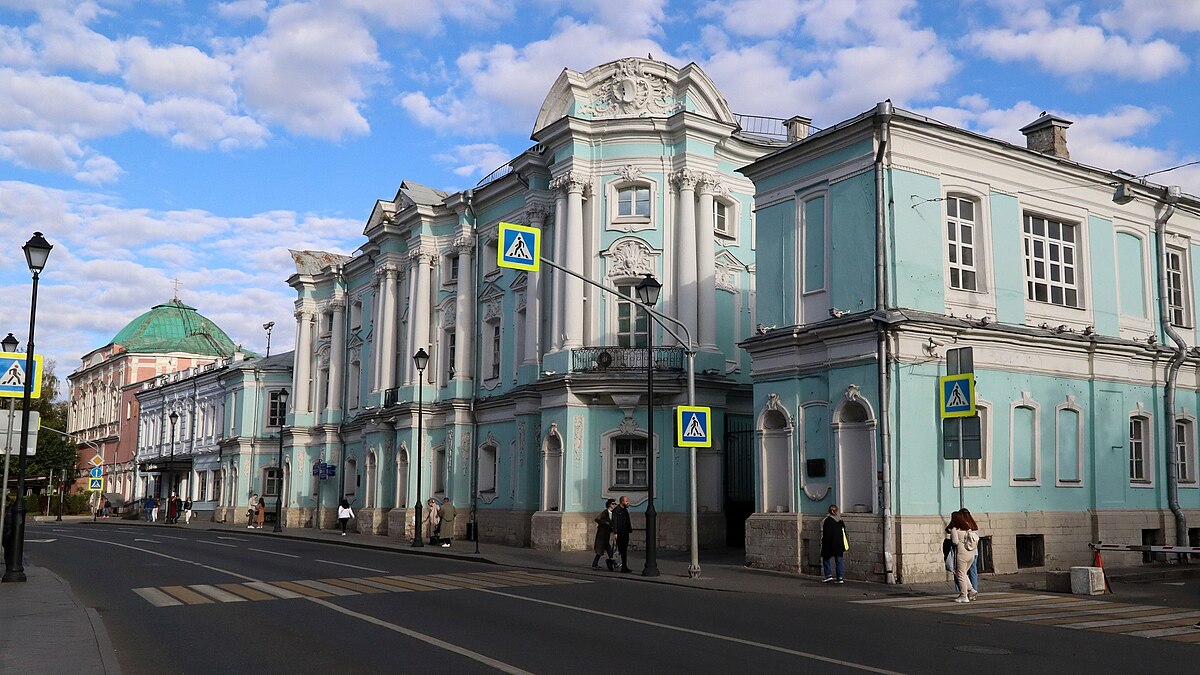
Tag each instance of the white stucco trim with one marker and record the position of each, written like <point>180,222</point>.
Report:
<point>1148,451</point>
<point>1069,404</point>
<point>1026,401</point>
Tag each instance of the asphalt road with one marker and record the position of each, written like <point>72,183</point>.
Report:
<point>354,610</point>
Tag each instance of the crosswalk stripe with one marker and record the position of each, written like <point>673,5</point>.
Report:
<point>187,595</point>
<point>1071,614</point>
<point>302,590</point>
<point>526,580</point>
<point>380,585</point>
<point>410,584</point>
<point>332,590</point>
<point>494,578</point>
<point>449,579</point>
<point>429,582</point>
<point>997,597</point>
<point>478,582</point>
<point>351,585</point>
<point>247,593</point>
<point>398,586</point>
<point>276,591</point>
<point>552,578</point>
<point>157,597</point>
<point>216,593</point>
<point>1163,632</point>
<point>1141,619</point>
<point>1194,636</point>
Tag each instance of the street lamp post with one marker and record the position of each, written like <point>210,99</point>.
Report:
<point>37,250</point>
<point>283,399</point>
<point>9,344</point>
<point>171,464</point>
<point>420,360</point>
<point>267,327</point>
<point>647,291</point>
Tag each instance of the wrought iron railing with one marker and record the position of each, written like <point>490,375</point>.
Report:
<point>496,175</point>
<point>391,397</point>
<point>772,127</point>
<point>609,359</point>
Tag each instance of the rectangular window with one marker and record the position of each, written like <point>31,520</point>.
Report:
<point>1050,261</point>
<point>1067,442</point>
<point>271,482</point>
<point>216,490</point>
<point>629,463</point>
<point>1177,302</point>
<point>721,218</point>
<point>960,240</point>
<point>202,488</point>
<point>1138,427</point>
<point>1024,444</point>
<point>814,244</point>
<point>275,410</point>
<point>976,469</point>
<point>451,349</point>
<point>452,268</point>
<point>496,350</point>
<point>633,201</point>
<point>356,315</point>
<point>631,320</point>
<point>1184,464</point>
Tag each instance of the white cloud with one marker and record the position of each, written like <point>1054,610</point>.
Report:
<point>243,9</point>
<point>199,124</point>
<point>39,150</point>
<point>176,70</point>
<point>477,159</point>
<point>1141,19</point>
<point>745,17</point>
<point>30,100</point>
<point>428,16</point>
<point>99,169</point>
<point>309,70</point>
<point>66,42</point>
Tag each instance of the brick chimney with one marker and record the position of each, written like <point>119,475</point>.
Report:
<point>1048,134</point>
<point>797,128</point>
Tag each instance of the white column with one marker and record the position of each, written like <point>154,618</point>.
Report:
<point>464,309</point>
<point>388,348</point>
<point>536,214</point>
<point>685,248</point>
<point>573,291</point>
<point>557,315</point>
<point>410,373</point>
<point>337,355</point>
<point>706,265</point>
<point>302,401</point>
<point>377,332</point>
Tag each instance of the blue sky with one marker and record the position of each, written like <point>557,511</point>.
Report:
<point>160,139</point>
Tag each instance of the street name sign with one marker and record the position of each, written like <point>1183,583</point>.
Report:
<point>957,395</point>
<point>35,422</point>
<point>520,247</point>
<point>693,425</point>
<point>12,375</point>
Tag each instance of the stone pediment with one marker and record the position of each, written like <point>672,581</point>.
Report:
<point>631,88</point>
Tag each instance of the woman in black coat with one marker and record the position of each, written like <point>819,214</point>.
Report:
<point>833,544</point>
<point>604,531</point>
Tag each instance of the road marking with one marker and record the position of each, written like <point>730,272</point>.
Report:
<point>167,536</point>
<point>216,543</point>
<point>429,582</point>
<point>286,555</point>
<point>274,590</point>
<point>231,538</point>
<point>428,639</point>
<point>149,541</point>
<point>216,593</point>
<point>368,569</point>
<point>351,585</point>
<point>306,591</point>
<point>157,597</point>
<point>187,595</point>
<point>1141,619</point>
<point>39,541</point>
<point>246,592</point>
<point>381,586</point>
<point>1174,583</point>
<point>701,633</point>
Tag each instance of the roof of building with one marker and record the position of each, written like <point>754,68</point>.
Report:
<point>174,327</point>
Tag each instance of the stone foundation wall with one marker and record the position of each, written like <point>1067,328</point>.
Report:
<point>791,542</point>
<point>399,524</point>
<point>370,521</point>
<point>511,528</point>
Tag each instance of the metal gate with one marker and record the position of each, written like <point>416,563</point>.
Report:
<point>739,478</point>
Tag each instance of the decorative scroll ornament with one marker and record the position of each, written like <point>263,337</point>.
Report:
<point>686,179</point>
<point>536,213</point>
<point>630,258</point>
<point>491,309</point>
<point>569,182</point>
<point>629,172</point>
<point>631,91</point>
<point>448,314</point>
<point>712,184</point>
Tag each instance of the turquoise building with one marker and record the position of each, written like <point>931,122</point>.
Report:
<point>891,238</point>
<point>533,405</point>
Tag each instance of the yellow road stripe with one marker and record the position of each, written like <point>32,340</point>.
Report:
<point>157,597</point>
<point>185,594</point>
<point>398,585</point>
<point>216,593</point>
<point>246,592</point>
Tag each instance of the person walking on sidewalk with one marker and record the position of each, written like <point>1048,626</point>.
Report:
<point>148,507</point>
<point>833,545</point>
<point>187,512</point>
<point>964,540</point>
<point>446,528</point>
<point>345,513</point>
<point>172,509</point>
<point>431,520</point>
<point>623,527</point>
<point>251,511</point>
<point>604,534</point>
<point>154,510</point>
<point>973,573</point>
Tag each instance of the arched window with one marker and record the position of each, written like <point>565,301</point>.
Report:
<point>776,459</point>
<point>370,498</point>
<point>1024,442</point>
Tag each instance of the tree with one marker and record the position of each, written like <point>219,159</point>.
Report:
<point>54,452</point>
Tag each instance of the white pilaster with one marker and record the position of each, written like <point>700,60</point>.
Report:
<point>685,248</point>
<point>706,262</point>
<point>557,315</point>
<point>388,348</point>
<point>337,354</point>
<point>422,311</point>
<point>574,249</point>
<point>464,309</point>
<point>302,391</point>
<point>377,331</point>
<point>410,373</point>
<point>536,214</point>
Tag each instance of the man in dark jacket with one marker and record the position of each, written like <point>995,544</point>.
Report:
<point>833,545</point>
<point>623,527</point>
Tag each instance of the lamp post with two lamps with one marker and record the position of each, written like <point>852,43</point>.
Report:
<point>647,292</point>
<point>420,360</point>
<point>37,251</point>
<point>283,399</point>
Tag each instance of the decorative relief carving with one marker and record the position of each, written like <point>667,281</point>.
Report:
<point>536,213</point>
<point>449,312</point>
<point>712,184</point>
<point>570,181</point>
<point>491,309</point>
<point>578,438</point>
<point>630,258</point>
<point>727,278</point>
<point>464,244</point>
<point>631,91</point>
<point>520,301</point>
<point>628,427</point>
<point>629,172</point>
<point>686,179</point>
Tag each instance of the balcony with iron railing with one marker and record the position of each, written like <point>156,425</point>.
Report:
<point>625,359</point>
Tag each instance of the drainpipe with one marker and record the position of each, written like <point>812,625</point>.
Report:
<point>883,117</point>
<point>1173,365</point>
<point>475,359</point>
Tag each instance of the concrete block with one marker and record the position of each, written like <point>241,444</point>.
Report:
<point>1087,580</point>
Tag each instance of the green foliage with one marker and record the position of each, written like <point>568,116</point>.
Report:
<point>54,453</point>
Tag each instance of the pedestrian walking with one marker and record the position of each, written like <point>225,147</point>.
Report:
<point>260,513</point>
<point>251,511</point>
<point>173,509</point>
<point>154,509</point>
<point>345,513</point>
<point>104,512</point>
<point>973,573</point>
<point>603,544</point>
<point>187,512</point>
<point>834,544</point>
<point>148,507</point>
<point>431,520</point>
<point>965,540</point>
<point>446,527</point>
<point>623,527</point>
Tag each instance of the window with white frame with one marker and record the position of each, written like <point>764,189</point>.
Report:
<point>977,469</point>
<point>1068,445</point>
<point>722,217</point>
<point>202,487</point>
<point>961,243</point>
<point>1051,263</point>
<point>451,269</point>
<point>1185,462</point>
<point>439,471</point>
<point>276,412</point>
<point>356,312</point>
<point>488,468</point>
<point>633,201</point>
<point>630,463</point>
<point>1024,442</point>
<point>450,351</point>
<point>1139,437</point>
<point>494,349</point>
<point>631,320</point>
<point>1177,295</point>
<point>272,482</point>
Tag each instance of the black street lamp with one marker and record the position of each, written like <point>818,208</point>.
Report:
<point>37,250</point>
<point>647,293</point>
<point>420,360</point>
<point>9,344</point>
<point>171,466</point>
<point>283,399</point>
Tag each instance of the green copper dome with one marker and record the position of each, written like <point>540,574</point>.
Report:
<point>174,327</point>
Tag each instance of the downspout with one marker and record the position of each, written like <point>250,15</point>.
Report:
<point>1172,371</point>
<point>476,357</point>
<point>883,117</point>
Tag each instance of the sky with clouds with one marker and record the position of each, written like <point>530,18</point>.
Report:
<point>153,140</point>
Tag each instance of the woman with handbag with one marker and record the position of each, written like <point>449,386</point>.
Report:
<point>965,539</point>
<point>431,521</point>
<point>834,543</point>
<point>344,514</point>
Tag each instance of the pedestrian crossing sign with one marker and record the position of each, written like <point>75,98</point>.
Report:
<point>12,375</point>
<point>693,426</point>
<point>520,247</point>
<point>957,395</point>
<point>96,484</point>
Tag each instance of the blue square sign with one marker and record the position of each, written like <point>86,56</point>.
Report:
<point>520,247</point>
<point>693,426</point>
